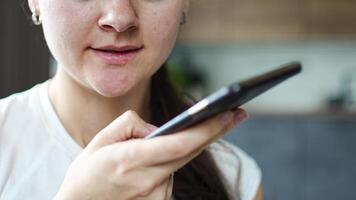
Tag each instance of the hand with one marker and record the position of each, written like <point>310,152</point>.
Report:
<point>119,164</point>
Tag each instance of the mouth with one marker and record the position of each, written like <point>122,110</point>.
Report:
<point>113,55</point>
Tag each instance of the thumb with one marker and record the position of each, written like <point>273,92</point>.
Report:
<point>127,126</point>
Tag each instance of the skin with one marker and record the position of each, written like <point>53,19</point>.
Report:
<point>107,89</point>
<point>104,107</point>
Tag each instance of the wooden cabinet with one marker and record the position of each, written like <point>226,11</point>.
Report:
<point>235,20</point>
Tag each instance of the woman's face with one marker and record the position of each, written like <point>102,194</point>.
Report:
<point>110,46</point>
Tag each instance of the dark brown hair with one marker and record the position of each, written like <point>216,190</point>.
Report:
<point>200,178</point>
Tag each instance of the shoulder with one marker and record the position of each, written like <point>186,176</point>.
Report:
<point>21,98</point>
<point>18,106</point>
<point>20,125</point>
<point>241,173</point>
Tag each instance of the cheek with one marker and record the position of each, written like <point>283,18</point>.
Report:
<point>165,29</point>
<point>63,34</point>
<point>161,34</point>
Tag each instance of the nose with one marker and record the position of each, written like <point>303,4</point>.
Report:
<point>119,16</point>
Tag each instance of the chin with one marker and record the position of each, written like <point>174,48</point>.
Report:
<point>112,91</point>
<point>112,83</point>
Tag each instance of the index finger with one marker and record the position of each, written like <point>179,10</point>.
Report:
<point>182,144</point>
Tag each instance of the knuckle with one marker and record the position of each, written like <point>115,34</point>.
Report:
<point>130,118</point>
<point>130,115</point>
<point>121,171</point>
<point>217,128</point>
<point>119,178</point>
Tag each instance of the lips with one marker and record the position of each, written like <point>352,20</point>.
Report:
<point>114,55</point>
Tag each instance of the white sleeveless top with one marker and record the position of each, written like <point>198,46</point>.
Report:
<point>36,150</point>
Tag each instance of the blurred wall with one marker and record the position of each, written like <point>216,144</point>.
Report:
<point>230,40</point>
<point>24,57</point>
<point>327,67</point>
<point>302,158</point>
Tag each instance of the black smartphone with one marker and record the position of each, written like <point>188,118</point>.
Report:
<point>227,98</point>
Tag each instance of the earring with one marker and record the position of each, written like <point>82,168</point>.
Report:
<point>183,19</point>
<point>36,19</point>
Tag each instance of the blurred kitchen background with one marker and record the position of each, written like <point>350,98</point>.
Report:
<point>302,133</point>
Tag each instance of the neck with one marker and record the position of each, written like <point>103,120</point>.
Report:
<point>84,112</point>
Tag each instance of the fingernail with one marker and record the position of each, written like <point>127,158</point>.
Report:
<point>227,117</point>
<point>240,116</point>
